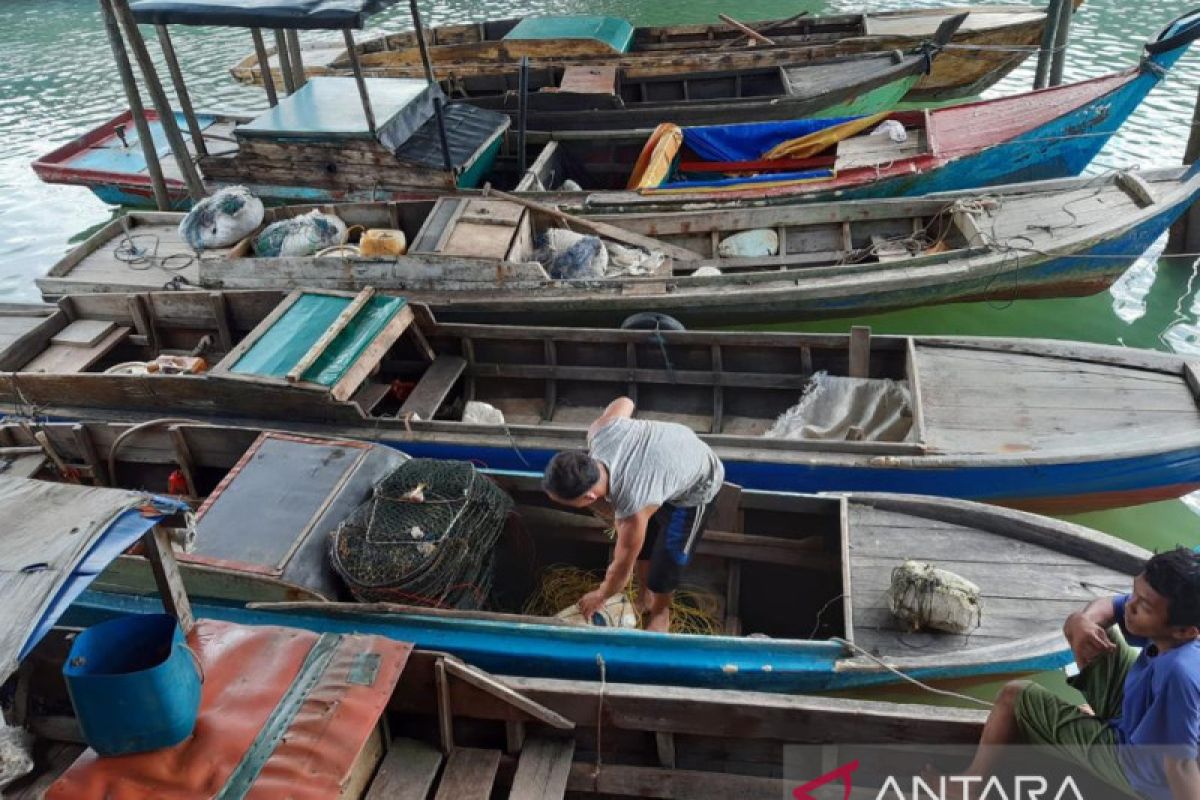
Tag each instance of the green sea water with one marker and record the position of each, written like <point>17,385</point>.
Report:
<point>57,81</point>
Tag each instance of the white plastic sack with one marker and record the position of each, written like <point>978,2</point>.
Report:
<point>16,760</point>
<point>831,405</point>
<point>222,219</point>
<point>892,129</point>
<point>617,612</point>
<point>476,412</point>
<point>301,236</point>
<point>750,244</point>
<point>568,255</point>
<point>925,597</point>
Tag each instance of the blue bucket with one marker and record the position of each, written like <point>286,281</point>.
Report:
<point>134,684</point>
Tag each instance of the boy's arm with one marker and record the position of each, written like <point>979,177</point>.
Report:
<point>621,407</point>
<point>1183,776</point>
<point>631,534</point>
<point>1087,630</point>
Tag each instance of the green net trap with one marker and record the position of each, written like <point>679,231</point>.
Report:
<point>426,536</point>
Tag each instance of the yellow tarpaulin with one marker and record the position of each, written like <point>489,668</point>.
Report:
<point>808,146</point>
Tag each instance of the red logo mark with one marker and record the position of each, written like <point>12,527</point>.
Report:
<point>843,772</point>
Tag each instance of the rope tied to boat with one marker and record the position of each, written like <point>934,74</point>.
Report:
<point>908,678</point>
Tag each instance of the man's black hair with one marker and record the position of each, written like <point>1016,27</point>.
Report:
<point>570,474</point>
<point>1175,575</point>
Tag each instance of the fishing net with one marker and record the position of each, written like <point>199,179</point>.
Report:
<point>925,597</point>
<point>425,537</point>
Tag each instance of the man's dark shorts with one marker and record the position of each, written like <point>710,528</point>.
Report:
<point>671,537</point>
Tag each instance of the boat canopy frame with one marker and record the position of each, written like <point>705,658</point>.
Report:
<point>285,17</point>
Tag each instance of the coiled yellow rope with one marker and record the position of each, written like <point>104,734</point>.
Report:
<point>692,610</point>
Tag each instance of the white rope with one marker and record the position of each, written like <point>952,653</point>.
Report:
<point>909,678</point>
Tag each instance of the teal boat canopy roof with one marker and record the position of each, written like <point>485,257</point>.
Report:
<point>289,338</point>
<point>617,33</point>
<point>329,107</point>
<point>298,14</point>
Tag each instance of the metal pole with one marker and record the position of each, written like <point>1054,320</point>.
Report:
<point>166,115</point>
<point>1061,37</point>
<point>437,102</point>
<point>185,100</point>
<point>1046,53</point>
<point>293,43</point>
<point>264,66</point>
<point>285,62</point>
<point>356,68</point>
<point>162,200</point>
<point>522,110</point>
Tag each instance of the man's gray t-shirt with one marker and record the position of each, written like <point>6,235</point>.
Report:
<point>651,463</point>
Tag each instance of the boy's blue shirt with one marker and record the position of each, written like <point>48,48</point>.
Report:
<point>1160,710</point>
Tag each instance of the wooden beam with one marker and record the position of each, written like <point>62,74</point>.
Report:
<point>264,67</point>
<point>285,62</point>
<point>359,80</point>
<point>183,457</point>
<point>407,772</point>
<point>162,200</point>
<point>295,57</point>
<point>860,351</point>
<point>331,333</point>
<point>87,447</point>
<point>220,310</point>
<point>166,576</point>
<point>166,115</point>
<point>670,784</point>
<point>602,229</point>
<point>181,91</point>
<point>745,29</point>
<point>445,714</point>
<point>543,769</point>
<point>481,680</point>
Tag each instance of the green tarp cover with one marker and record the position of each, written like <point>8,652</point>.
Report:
<point>286,342</point>
<point>613,31</point>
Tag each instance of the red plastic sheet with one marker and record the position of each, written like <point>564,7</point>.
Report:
<point>248,671</point>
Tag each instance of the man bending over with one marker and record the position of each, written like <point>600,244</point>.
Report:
<point>658,480</point>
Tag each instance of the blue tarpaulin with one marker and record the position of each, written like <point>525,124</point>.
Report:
<point>749,141</point>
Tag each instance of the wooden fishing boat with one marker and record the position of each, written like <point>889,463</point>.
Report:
<point>255,538</point>
<point>361,716</point>
<point>475,259</point>
<point>992,42</point>
<point>1039,424</point>
<point>1036,136</point>
<point>575,98</point>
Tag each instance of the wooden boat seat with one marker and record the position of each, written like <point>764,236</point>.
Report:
<point>589,80</point>
<point>872,151</point>
<point>469,775</point>
<point>475,227</point>
<point>543,769</point>
<point>77,347</point>
<point>433,388</point>
<point>407,772</point>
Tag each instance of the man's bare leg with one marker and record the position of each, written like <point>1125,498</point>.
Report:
<point>999,730</point>
<point>658,615</point>
<point>642,569</point>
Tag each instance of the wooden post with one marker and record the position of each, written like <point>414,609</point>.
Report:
<point>167,578</point>
<point>285,62</point>
<point>419,29</point>
<point>1185,233</point>
<point>264,66</point>
<point>161,199</point>
<point>185,100</point>
<point>860,351</point>
<point>166,116</point>
<point>1061,38</point>
<point>1046,53</point>
<point>293,43</point>
<point>356,68</point>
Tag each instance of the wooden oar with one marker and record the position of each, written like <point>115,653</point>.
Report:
<point>598,228</point>
<point>779,23</point>
<point>746,29</point>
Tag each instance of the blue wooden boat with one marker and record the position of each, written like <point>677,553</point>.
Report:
<point>1034,423</point>
<point>318,711</point>
<point>1050,133</point>
<point>820,260</point>
<point>798,583</point>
